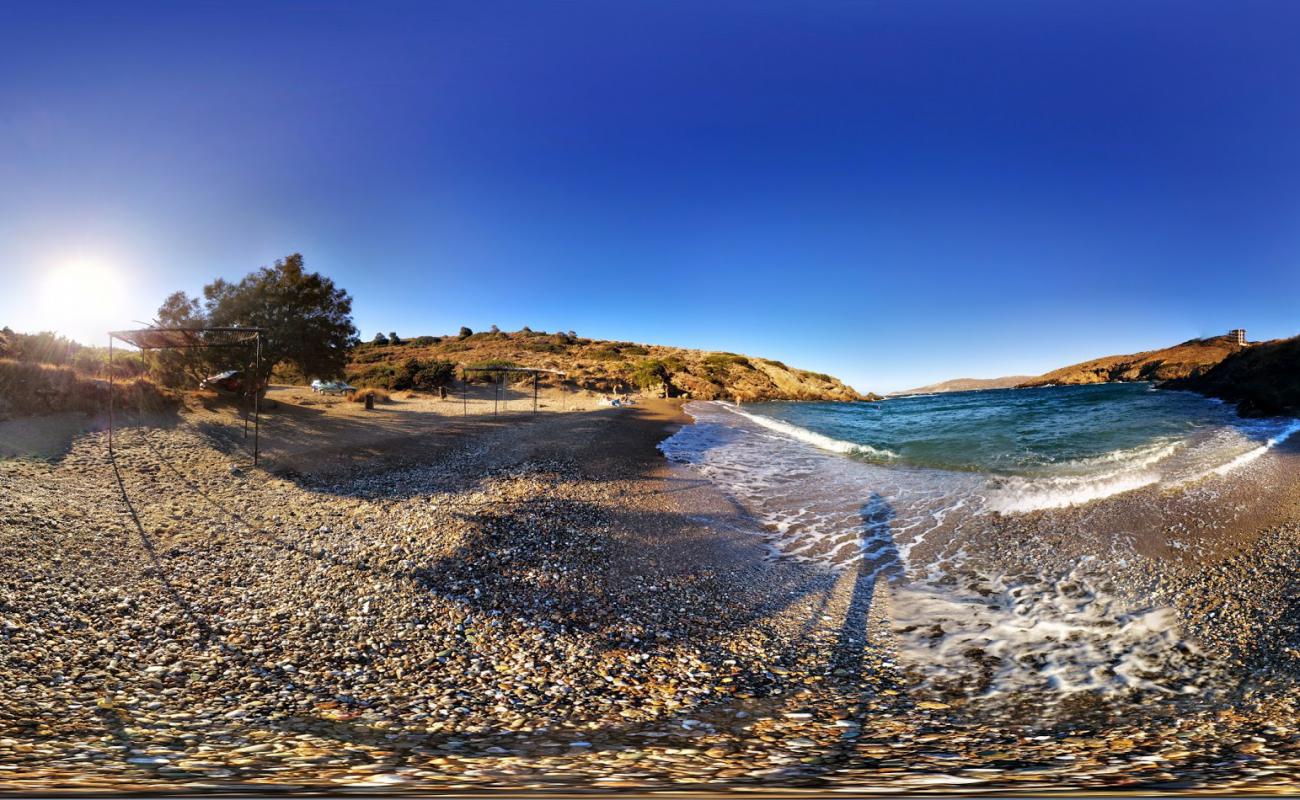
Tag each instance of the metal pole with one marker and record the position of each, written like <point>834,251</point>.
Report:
<point>110,395</point>
<point>464,396</point>
<point>248,401</point>
<point>496,391</point>
<point>257,401</point>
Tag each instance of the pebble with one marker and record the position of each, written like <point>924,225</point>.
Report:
<point>483,623</point>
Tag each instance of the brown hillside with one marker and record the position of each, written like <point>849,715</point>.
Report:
<point>1180,361</point>
<point>970,385</point>
<point>1263,379</point>
<point>606,365</point>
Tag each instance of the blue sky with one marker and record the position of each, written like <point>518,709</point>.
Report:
<point>894,192</point>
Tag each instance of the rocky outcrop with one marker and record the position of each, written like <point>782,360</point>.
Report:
<point>1263,379</point>
<point>1186,360</point>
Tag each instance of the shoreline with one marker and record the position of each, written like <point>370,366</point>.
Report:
<point>530,602</point>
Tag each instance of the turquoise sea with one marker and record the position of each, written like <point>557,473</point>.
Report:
<point>1012,529</point>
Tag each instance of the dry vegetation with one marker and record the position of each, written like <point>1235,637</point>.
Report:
<point>1184,360</point>
<point>360,395</point>
<point>603,366</point>
<point>28,388</point>
<point>1263,379</point>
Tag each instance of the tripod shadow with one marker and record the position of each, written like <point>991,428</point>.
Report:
<point>879,559</point>
<point>159,569</point>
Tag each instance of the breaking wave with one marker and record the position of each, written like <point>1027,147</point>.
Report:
<point>985,599</point>
<point>813,438</point>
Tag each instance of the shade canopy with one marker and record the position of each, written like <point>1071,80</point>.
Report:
<point>159,338</point>
<point>169,338</point>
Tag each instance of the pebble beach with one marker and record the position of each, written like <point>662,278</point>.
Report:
<point>545,604</point>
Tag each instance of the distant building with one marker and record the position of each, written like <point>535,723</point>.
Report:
<point>1238,336</point>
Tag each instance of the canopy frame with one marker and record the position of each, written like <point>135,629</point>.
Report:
<point>188,338</point>
<point>534,371</point>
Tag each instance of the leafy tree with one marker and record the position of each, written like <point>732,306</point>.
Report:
<point>380,339</point>
<point>46,347</point>
<point>182,367</point>
<point>308,320</point>
<point>433,374</point>
<point>7,342</point>
<point>90,362</point>
<point>494,329</point>
<point>393,339</point>
<point>413,373</point>
<point>465,332</point>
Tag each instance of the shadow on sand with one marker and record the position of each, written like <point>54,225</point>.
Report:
<point>508,585</point>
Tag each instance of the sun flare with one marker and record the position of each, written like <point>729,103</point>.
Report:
<point>81,298</point>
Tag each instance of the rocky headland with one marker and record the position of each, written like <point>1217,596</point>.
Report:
<point>1184,360</point>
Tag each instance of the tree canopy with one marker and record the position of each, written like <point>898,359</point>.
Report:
<point>308,320</point>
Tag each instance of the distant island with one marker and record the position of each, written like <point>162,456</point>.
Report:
<point>967,385</point>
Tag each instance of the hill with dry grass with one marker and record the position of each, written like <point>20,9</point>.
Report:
<point>1186,360</point>
<point>1263,379</point>
<point>605,366</point>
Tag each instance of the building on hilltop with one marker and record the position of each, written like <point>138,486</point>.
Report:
<point>1238,336</point>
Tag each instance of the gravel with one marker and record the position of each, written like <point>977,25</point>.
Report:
<point>486,622</point>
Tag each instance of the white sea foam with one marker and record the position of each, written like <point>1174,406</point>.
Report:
<point>1251,455</point>
<point>992,636</point>
<point>812,437</point>
<point>1080,482</point>
<point>1060,630</point>
<point>1020,495</point>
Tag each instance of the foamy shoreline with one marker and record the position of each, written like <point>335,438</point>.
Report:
<point>527,601</point>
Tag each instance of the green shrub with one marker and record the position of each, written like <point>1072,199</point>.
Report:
<point>424,375</point>
<point>433,374</point>
<point>542,347</point>
<point>481,370</point>
<point>725,360</point>
<point>651,372</point>
<point>606,353</point>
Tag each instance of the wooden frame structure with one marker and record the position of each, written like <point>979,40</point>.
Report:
<point>192,338</point>
<point>534,371</point>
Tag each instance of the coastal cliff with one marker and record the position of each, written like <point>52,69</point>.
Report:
<point>1186,360</point>
<point>604,366</point>
<point>1263,379</point>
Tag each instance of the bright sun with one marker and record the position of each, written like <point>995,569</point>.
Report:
<point>81,299</point>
